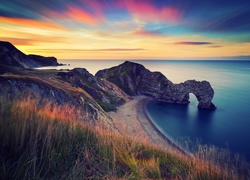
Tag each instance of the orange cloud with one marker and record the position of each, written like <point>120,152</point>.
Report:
<point>74,13</point>
<point>18,41</point>
<point>35,40</point>
<point>81,15</point>
<point>30,22</point>
<point>86,50</point>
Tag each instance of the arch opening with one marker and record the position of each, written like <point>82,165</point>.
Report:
<point>193,100</point>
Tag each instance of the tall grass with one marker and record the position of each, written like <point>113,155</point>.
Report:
<point>45,143</point>
<point>222,158</point>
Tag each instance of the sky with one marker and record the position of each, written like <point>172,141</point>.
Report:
<point>128,29</point>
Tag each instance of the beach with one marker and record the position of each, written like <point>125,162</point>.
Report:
<point>131,120</point>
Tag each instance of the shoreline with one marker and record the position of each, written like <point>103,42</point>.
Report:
<point>164,136</point>
<point>132,119</point>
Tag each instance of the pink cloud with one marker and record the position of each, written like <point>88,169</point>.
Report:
<point>92,12</point>
<point>170,14</point>
<point>148,11</point>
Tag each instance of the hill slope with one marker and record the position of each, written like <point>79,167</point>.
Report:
<point>35,144</point>
<point>11,56</point>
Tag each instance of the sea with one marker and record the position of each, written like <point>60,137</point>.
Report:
<point>226,127</point>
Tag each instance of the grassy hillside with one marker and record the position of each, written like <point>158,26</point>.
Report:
<point>52,144</point>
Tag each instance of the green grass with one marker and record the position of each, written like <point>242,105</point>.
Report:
<point>38,144</point>
<point>106,106</point>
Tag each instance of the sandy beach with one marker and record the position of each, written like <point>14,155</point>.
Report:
<point>131,120</point>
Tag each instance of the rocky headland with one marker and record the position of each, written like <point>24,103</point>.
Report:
<point>135,80</point>
<point>11,56</point>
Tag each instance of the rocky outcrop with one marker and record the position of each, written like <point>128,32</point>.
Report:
<point>135,79</point>
<point>11,56</point>
<point>106,94</point>
<point>43,61</point>
<point>201,89</point>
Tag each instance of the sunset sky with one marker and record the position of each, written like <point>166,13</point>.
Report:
<point>128,29</point>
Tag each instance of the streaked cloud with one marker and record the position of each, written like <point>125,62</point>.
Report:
<point>73,13</point>
<point>17,41</point>
<point>141,32</point>
<point>33,41</point>
<point>30,22</point>
<point>192,43</point>
<point>149,11</point>
<point>81,15</point>
<point>236,21</point>
<point>88,50</point>
<point>216,46</point>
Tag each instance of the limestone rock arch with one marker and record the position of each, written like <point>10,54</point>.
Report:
<point>202,90</point>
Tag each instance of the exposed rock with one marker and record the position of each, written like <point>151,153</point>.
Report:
<point>11,56</point>
<point>135,79</point>
<point>106,94</point>
<point>201,89</point>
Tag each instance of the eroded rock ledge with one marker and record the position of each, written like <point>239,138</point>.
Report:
<point>135,79</point>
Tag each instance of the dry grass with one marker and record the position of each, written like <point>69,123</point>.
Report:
<point>50,143</point>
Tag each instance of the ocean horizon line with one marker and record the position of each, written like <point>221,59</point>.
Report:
<point>174,60</point>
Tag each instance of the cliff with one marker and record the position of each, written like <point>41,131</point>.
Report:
<point>78,91</point>
<point>135,79</point>
<point>11,56</point>
<point>106,94</point>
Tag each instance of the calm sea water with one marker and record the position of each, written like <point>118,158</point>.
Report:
<point>228,126</point>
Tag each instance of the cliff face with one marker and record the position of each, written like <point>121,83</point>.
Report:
<point>11,56</point>
<point>47,87</point>
<point>106,94</point>
<point>135,79</point>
